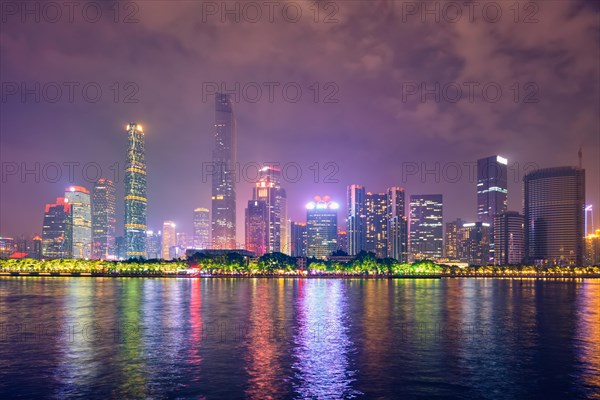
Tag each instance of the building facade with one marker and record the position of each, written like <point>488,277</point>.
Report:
<point>509,237</point>
<point>257,221</point>
<point>473,244</point>
<point>356,221</point>
<point>397,225</point>
<point>136,202</point>
<point>81,221</point>
<point>201,228</point>
<point>554,216</point>
<point>376,210</point>
<point>299,239</point>
<point>56,231</point>
<point>169,240</point>
<point>322,227</point>
<point>224,159</point>
<point>103,220</point>
<point>426,234</point>
<point>268,190</point>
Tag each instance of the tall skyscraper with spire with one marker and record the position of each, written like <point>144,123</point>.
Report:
<point>223,177</point>
<point>135,193</point>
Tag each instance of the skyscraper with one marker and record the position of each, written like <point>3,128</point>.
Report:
<point>474,243</point>
<point>169,240</point>
<point>299,239</point>
<point>342,240</point>
<point>103,220</point>
<point>376,209</point>
<point>509,238</point>
<point>201,228</point>
<point>37,247</point>
<point>268,189</point>
<point>56,232</point>
<point>153,245</point>
<point>554,216</point>
<point>592,248</point>
<point>257,215</point>
<point>321,226</point>
<point>426,226</point>
<point>357,219</point>
<point>81,221</point>
<point>223,176</point>
<point>135,193</point>
<point>451,245</point>
<point>397,224</point>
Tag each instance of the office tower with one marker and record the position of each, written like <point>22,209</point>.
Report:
<point>257,227</point>
<point>169,240</point>
<point>397,225</point>
<point>589,220</point>
<point>342,241</point>
<point>103,220</point>
<point>451,245</point>
<point>8,246</point>
<point>223,176</point>
<point>201,228</point>
<point>56,232</point>
<point>474,243</point>
<point>268,189</point>
<point>509,237</point>
<point>37,247</point>
<point>153,245</point>
<point>135,193</point>
<point>554,216</point>
<point>299,239</point>
<point>22,245</point>
<point>121,247</point>
<point>81,221</point>
<point>426,226</point>
<point>376,209</point>
<point>321,227</point>
<point>592,248</point>
<point>356,221</point>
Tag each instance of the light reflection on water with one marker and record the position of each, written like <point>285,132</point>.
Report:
<point>286,338</point>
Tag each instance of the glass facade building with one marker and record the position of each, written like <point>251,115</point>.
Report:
<point>257,227</point>
<point>321,227</point>
<point>201,228</point>
<point>376,209</point>
<point>509,238</point>
<point>299,239</point>
<point>56,231</point>
<point>397,224</point>
<point>356,221</point>
<point>224,157</point>
<point>81,221</point>
<point>103,220</point>
<point>135,193</point>
<point>426,226</point>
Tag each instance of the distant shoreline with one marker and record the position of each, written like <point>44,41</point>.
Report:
<point>292,276</point>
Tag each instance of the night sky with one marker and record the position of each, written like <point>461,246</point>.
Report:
<point>367,60</point>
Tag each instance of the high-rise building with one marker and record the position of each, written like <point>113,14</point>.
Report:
<point>121,248</point>
<point>426,226</point>
<point>321,227</point>
<point>201,228</point>
<point>257,215</point>
<point>554,216</point>
<point>299,239</point>
<point>103,219</point>
<point>492,192</point>
<point>451,245</point>
<point>268,189</point>
<point>223,177</point>
<point>474,243</point>
<point>135,193</point>
<point>81,221</point>
<point>592,248</point>
<point>37,247</point>
<point>169,240</point>
<point>397,224</point>
<point>153,245</point>
<point>56,232</point>
<point>357,219</point>
<point>376,209</point>
<point>509,237</point>
<point>342,241</point>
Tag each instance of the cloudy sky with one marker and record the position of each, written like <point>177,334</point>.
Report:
<point>389,89</point>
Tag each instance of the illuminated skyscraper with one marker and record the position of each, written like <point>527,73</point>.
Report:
<point>426,226</point>
<point>103,220</point>
<point>81,227</point>
<point>554,216</point>
<point>509,238</point>
<point>135,193</point>
<point>592,248</point>
<point>56,232</point>
<point>153,245</point>
<point>37,247</point>
<point>169,240</point>
<point>322,228</point>
<point>268,189</point>
<point>201,228</point>
<point>342,241</point>
<point>8,246</point>
<point>397,224</point>
<point>257,215</point>
<point>474,243</point>
<point>376,209</point>
<point>451,245</point>
<point>223,177</point>
<point>357,219</point>
<point>299,239</point>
